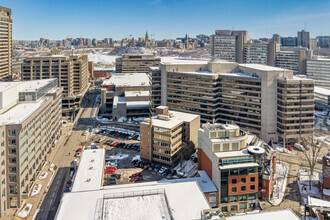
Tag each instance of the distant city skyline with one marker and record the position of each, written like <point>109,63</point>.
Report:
<point>56,20</point>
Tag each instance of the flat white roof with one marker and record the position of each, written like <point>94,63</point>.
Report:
<point>182,60</point>
<point>232,153</point>
<point>136,93</point>
<point>90,170</point>
<point>185,200</point>
<point>239,165</point>
<point>177,118</point>
<point>321,91</point>
<point>20,112</point>
<point>318,202</point>
<point>203,180</point>
<point>25,85</point>
<point>128,79</point>
<point>262,67</point>
<point>283,214</point>
<point>137,104</point>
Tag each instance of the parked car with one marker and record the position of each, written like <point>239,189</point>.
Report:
<point>115,175</point>
<point>115,144</point>
<point>289,148</point>
<point>79,150</point>
<point>111,181</point>
<point>78,154</point>
<point>162,170</point>
<point>157,168</point>
<point>307,147</point>
<point>173,172</point>
<point>166,172</point>
<point>100,140</point>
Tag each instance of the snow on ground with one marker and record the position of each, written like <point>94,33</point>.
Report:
<point>137,157</point>
<point>102,58</point>
<point>188,168</point>
<point>151,207</point>
<point>36,189</point>
<point>43,175</point>
<point>322,120</point>
<point>303,184</point>
<point>117,157</point>
<point>279,148</point>
<point>25,211</point>
<point>280,178</point>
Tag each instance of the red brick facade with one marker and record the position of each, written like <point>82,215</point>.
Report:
<point>238,183</point>
<point>204,163</point>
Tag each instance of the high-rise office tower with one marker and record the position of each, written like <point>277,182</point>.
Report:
<point>303,38</point>
<point>276,38</point>
<point>5,42</point>
<point>229,45</point>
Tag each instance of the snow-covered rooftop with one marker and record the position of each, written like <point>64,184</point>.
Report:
<point>180,60</point>
<point>31,85</point>
<point>90,171</point>
<point>321,91</point>
<point>136,93</point>
<point>238,165</point>
<point>20,112</point>
<point>261,67</point>
<point>203,180</point>
<point>177,118</point>
<point>185,200</point>
<point>237,153</point>
<point>318,202</point>
<point>138,104</point>
<point>283,214</point>
<point>128,80</point>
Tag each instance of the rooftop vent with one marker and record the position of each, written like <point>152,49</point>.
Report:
<point>92,160</point>
<point>90,168</point>
<point>88,180</point>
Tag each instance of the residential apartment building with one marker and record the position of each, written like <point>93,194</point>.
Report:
<point>222,92</point>
<point>295,109</point>
<point>136,63</point>
<point>240,164</point>
<point>5,43</point>
<point>169,136</point>
<point>125,95</point>
<point>71,72</point>
<point>319,70</point>
<point>30,122</point>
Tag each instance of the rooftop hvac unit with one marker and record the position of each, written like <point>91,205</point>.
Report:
<point>90,168</point>
<point>92,160</point>
<point>88,180</point>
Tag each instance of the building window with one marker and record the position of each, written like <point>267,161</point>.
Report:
<point>224,209</point>
<point>243,172</point>
<point>12,132</point>
<point>233,172</point>
<point>243,188</point>
<point>12,142</point>
<point>252,187</point>
<point>242,206</point>
<point>243,180</point>
<point>233,181</point>
<point>253,179</point>
<point>213,199</point>
<point>233,208</point>
<point>234,189</point>
<point>252,196</point>
<point>242,198</point>
<point>232,199</point>
<point>224,199</point>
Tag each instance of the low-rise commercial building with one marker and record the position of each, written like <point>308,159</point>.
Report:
<point>71,72</point>
<point>222,92</point>
<point>125,95</point>
<point>283,214</point>
<point>89,199</point>
<point>136,63</point>
<point>30,122</point>
<point>241,165</point>
<point>168,137</point>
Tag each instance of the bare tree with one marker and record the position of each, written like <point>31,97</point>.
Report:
<point>311,155</point>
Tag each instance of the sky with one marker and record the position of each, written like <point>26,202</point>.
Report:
<point>165,19</point>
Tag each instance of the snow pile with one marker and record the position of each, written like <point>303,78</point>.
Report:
<point>25,211</point>
<point>303,184</point>
<point>324,139</point>
<point>137,157</point>
<point>151,207</point>
<point>118,157</point>
<point>188,168</point>
<point>122,119</point>
<point>36,189</point>
<point>102,58</point>
<point>279,148</point>
<point>280,179</point>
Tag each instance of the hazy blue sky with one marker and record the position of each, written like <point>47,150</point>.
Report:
<point>58,19</point>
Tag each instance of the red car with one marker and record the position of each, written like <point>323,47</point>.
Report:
<point>109,171</point>
<point>112,167</point>
<point>115,144</point>
<point>289,148</point>
<point>79,150</point>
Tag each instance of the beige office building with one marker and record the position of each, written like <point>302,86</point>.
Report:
<point>30,122</point>
<point>71,71</point>
<point>136,63</point>
<point>5,42</point>
<point>221,92</point>
<point>169,136</point>
<point>319,70</point>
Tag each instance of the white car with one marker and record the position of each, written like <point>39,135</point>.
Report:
<point>162,170</point>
